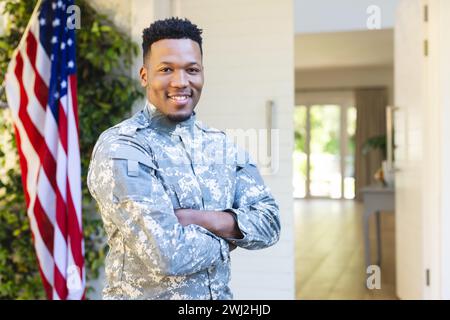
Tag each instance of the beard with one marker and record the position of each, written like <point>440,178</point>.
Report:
<point>178,118</point>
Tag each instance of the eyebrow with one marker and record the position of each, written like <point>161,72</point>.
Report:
<point>170,63</point>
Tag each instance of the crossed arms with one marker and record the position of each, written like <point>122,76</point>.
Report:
<point>183,241</point>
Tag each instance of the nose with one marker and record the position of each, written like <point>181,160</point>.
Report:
<point>179,79</point>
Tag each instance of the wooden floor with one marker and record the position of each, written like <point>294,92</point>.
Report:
<point>330,252</point>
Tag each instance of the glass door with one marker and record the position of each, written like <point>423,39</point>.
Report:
<point>324,151</point>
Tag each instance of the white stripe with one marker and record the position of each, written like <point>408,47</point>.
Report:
<point>51,134</point>
<point>42,60</point>
<point>44,257</point>
<point>12,89</point>
<point>30,154</point>
<point>74,282</point>
<point>61,171</point>
<point>60,252</point>
<point>34,108</point>
<point>55,295</point>
<point>47,196</point>
<point>74,176</point>
<point>73,159</point>
<point>44,121</point>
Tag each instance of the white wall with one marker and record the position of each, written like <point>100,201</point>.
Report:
<point>344,49</point>
<point>340,15</point>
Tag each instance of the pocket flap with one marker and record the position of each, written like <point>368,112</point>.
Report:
<point>133,156</point>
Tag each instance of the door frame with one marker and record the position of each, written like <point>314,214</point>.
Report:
<point>436,171</point>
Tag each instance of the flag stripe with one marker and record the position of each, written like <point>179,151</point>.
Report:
<point>23,165</point>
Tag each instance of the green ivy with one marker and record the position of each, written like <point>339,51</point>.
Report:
<point>105,95</point>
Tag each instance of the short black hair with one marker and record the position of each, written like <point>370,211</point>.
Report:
<point>170,28</point>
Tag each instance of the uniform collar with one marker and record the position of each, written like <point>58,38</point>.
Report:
<point>159,121</point>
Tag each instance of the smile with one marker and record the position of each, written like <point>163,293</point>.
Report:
<point>180,98</point>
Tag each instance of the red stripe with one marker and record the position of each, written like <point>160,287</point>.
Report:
<point>47,285</point>
<point>75,232</point>
<point>62,126</point>
<point>45,226</point>
<point>60,284</point>
<point>23,166</point>
<point>40,88</point>
<point>73,89</point>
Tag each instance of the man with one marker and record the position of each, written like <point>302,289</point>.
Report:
<point>175,195</point>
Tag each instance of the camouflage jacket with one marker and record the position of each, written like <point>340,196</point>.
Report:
<point>146,167</point>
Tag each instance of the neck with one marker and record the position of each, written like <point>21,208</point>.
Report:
<point>162,121</point>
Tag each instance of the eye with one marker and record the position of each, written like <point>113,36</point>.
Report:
<point>193,70</point>
<point>165,70</point>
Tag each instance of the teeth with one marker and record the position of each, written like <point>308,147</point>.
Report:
<point>179,98</point>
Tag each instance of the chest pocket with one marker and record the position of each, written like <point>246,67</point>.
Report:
<point>180,184</point>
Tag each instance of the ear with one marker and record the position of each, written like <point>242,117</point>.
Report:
<point>143,76</point>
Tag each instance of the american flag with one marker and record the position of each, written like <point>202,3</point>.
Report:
<point>41,91</point>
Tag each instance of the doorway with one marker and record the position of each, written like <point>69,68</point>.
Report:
<point>323,158</point>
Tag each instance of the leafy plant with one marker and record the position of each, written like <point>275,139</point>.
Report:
<point>105,95</point>
<point>375,143</point>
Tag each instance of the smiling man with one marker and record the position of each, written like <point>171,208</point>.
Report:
<point>175,195</point>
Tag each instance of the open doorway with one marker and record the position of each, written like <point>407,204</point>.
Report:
<point>323,158</point>
<point>344,79</point>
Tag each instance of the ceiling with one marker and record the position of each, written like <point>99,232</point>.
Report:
<point>342,15</point>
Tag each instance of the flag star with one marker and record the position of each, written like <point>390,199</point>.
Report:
<point>42,22</point>
<point>54,39</point>
<point>52,57</point>
<point>63,84</point>
<point>70,64</point>
<point>60,4</point>
<point>56,95</point>
<point>63,45</point>
<point>69,42</point>
<point>56,22</point>
<point>53,6</point>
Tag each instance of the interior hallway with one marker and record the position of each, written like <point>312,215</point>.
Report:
<point>330,252</point>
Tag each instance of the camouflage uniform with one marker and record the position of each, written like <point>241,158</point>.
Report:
<point>147,166</point>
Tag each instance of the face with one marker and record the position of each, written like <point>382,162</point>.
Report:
<point>173,77</point>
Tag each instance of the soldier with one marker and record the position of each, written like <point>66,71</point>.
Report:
<point>175,195</point>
